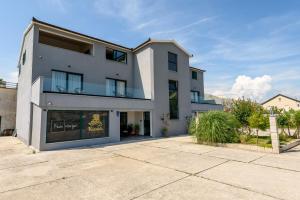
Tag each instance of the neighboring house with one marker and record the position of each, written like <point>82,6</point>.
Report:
<point>79,90</point>
<point>282,102</point>
<point>8,102</point>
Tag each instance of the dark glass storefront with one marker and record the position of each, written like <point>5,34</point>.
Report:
<point>76,125</point>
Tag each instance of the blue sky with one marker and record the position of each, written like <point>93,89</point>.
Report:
<point>249,48</point>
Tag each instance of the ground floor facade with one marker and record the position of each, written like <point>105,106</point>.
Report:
<point>58,121</point>
<point>65,128</point>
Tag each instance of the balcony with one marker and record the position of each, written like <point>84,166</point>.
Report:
<point>47,95</point>
<point>202,100</point>
<point>204,104</point>
<point>91,89</point>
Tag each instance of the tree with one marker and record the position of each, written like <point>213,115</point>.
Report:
<point>283,121</point>
<point>243,109</point>
<point>290,122</point>
<point>2,83</point>
<point>296,120</point>
<point>258,121</point>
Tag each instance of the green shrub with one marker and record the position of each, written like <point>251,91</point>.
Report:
<point>296,120</point>
<point>242,110</point>
<point>244,138</point>
<point>215,127</point>
<point>282,137</point>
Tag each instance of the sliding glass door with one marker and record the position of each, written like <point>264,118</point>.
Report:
<point>66,82</point>
<point>59,81</point>
<point>115,87</point>
<point>74,83</point>
<point>121,88</point>
<point>110,87</point>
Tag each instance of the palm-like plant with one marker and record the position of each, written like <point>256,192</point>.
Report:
<point>214,127</point>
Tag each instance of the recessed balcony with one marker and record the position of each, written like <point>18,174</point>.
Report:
<point>78,87</point>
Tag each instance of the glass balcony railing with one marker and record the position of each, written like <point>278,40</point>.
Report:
<point>93,89</point>
<point>203,100</point>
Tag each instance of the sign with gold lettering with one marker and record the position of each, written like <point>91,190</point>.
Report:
<point>95,124</point>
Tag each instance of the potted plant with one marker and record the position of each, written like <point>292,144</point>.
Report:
<point>130,129</point>
<point>136,129</point>
<point>164,131</point>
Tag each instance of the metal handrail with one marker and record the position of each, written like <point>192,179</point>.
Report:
<point>5,84</point>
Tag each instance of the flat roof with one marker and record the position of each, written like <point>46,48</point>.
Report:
<point>148,41</point>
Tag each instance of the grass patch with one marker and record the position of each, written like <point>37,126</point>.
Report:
<point>284,139</point>
<point>263,141</point>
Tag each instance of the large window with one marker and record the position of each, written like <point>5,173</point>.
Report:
<point>172,61</point>
<point>66,82</point>
<point>115,87</point>
<point>173,99</point>
<point>116,55</point>
<point>76,125</point>
<point>194,75</point>
<point>195,96</point>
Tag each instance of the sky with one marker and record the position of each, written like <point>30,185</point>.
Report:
<point>249,48</point>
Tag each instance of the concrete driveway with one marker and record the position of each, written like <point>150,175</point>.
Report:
<point>170,168</point>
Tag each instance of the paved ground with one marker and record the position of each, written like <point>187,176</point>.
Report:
<point>171,168</point>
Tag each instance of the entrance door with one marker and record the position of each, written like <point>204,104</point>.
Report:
<point>147,123</point>
<point>123,124</point>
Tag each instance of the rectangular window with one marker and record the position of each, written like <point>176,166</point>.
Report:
<point>173,99</point>
<point>194,75</point>
<point>116,55</point>
<point>65,43</point>
<point>195,95</point>
<point>76,125</point>
<point>172,61</point>
<point>66,82</point>
<point>24,58</point>
<point>115,87</point>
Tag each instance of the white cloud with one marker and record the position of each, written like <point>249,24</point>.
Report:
<point>247,87</point>
<point>130,10</point>
<point>145,24</point>
<point>59,5</point>
<point>184,27</point>
<point>12,77</point>
<point>150,19</point>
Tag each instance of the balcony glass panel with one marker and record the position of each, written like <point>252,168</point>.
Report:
<point>201,100</point>
<point>74,85</point>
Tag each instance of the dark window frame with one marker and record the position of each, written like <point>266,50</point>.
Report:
<point>172,62</point>
<point>194,75</point>
<point>115,59</point>
<point>81,125</point>
<point>195,91</point>
<point>116,88</point>
<point>176,100</point>
<point>67,78</point>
